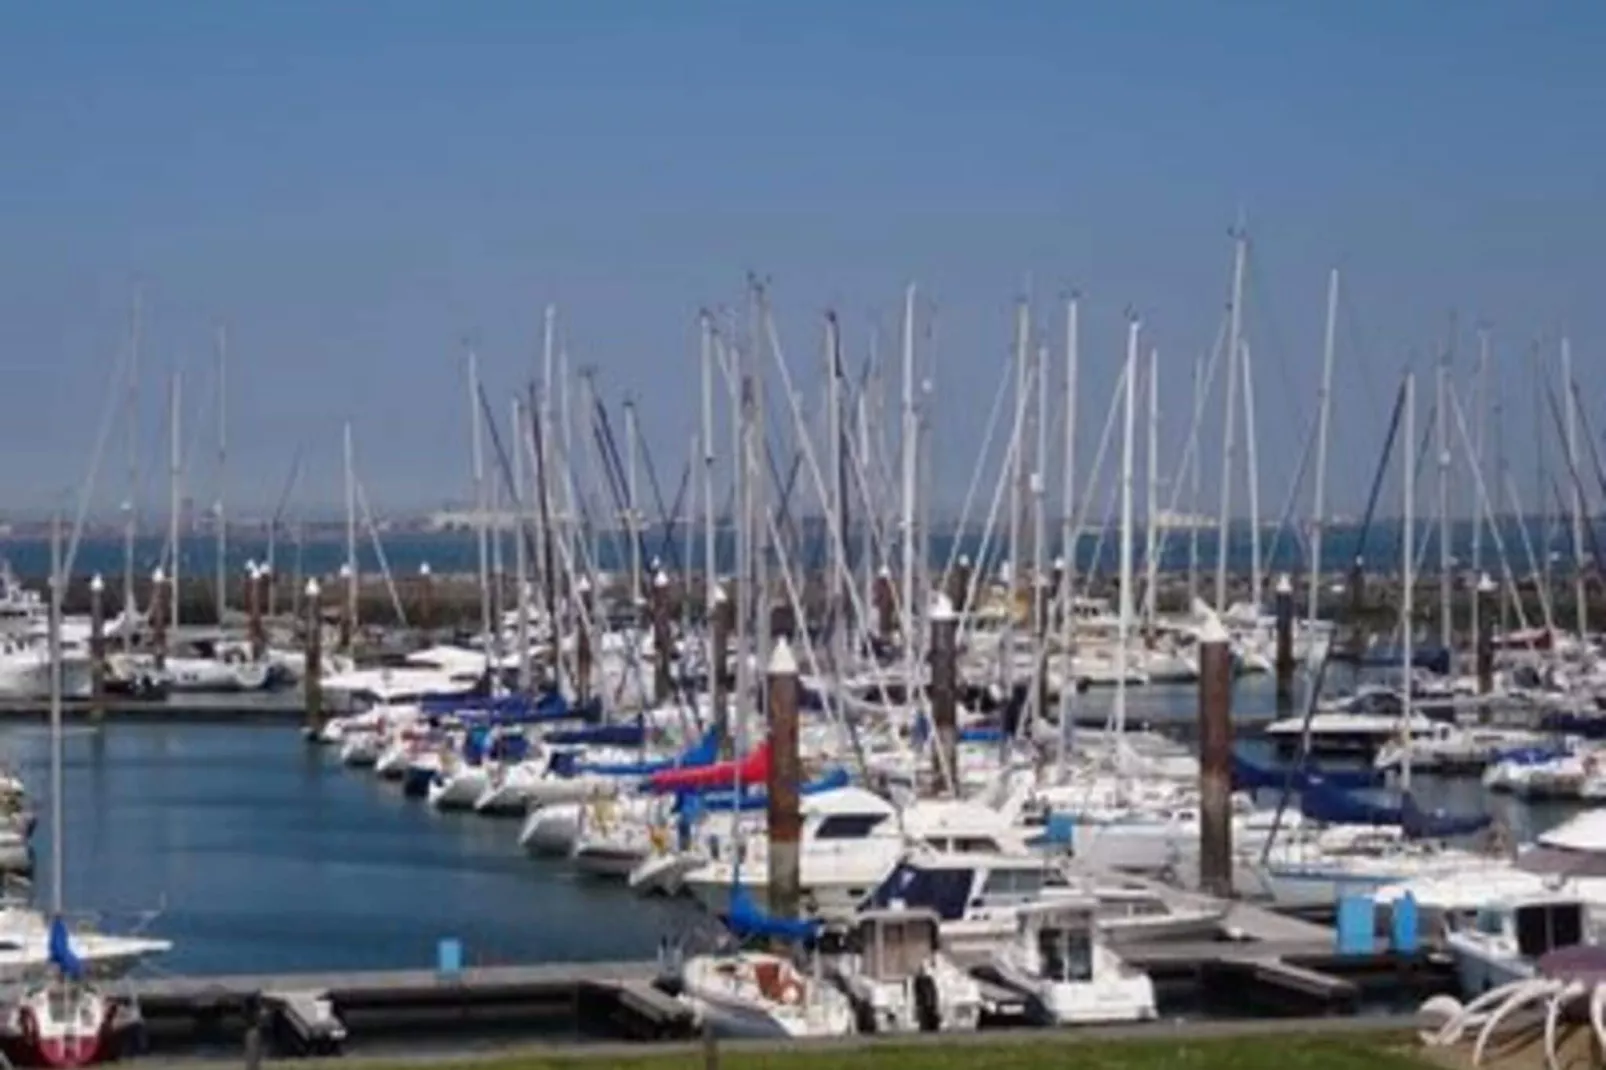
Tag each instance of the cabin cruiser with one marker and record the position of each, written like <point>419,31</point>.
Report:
<point>1507,937</point>
<point>1058,960</point>
<point>890,963</point>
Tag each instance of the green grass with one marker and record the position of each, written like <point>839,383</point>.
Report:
<point>1258,1053</point>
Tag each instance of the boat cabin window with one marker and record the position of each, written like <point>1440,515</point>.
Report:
<point>1546,926</point>
<point>1490,923</point>
<point>1013,884</point>
<point>848,826</point>
<point>1067,954</point>
<point>945,892</point>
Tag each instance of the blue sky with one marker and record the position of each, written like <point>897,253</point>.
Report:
<point>354,188</point>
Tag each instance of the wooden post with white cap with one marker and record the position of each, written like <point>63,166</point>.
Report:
<point>785,774</point>
<point>311,678</point>
<point>1215,759</point>
<point>1285,639</point>
<point>159,611</point>
<point>944,688</point>
<point>97,645</point>
<point>663,646</point>
<point>1485,649</point>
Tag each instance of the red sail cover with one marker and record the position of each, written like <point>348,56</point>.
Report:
<point>754,768</point>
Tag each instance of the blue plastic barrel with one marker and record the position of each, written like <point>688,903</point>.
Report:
<point>1357,925</point>
<point>449,956</point>
<point>1403,935</point>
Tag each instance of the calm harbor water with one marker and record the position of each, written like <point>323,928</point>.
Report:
<point>261,854</point>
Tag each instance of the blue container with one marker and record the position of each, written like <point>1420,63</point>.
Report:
<point>1403,936</point>
<point>449,956</point>
<point>1060,830</point>
<point>1357,925</point>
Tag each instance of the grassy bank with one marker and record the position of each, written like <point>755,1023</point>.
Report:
<point>1257,1053</point>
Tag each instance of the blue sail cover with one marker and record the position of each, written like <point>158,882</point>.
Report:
<point>602,735</point>
<point>1247,776</point>
<point>757,799</point>
<point>1320,801</point>
<point>62,955</point>
<point>1420,824</point>
<point>699,754</point>
<point>749,921</point>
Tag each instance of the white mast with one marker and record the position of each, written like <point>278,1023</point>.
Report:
<point>58,836</point>
<point>480,506</point>
<point>1151,505</point>
<point>520,564</point>
<point>1577,495</point>
<point>1254,480</point>
<point>1016,474</point>
<point>351,528</point>
<point>710,545</point>
<point>175,490</point>
<point>219,516</point>
<point>1229,428</point>
<point>632,529</point>
<point>1123,640</point>
<point>1039,488</point>
<point>1194,469</point>
<point>131,507</point>
<point>838,574</point>
<point>1442,435</point>
<point>911,471</point>
<point>1479,431</point>
<point>1068,491</point>
<point>1408,580</point>
<point>1324,402</point>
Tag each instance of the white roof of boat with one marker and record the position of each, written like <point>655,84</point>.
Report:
<point>844,800</point>
<point>1585,831</point>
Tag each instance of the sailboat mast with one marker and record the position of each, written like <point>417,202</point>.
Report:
<point>1194,471</point>
<point>632,501</point>
<point>1408,577</point>
<point>1252,456</point>
<point>219,516</point>
<point>131,508</point>
<point>58,837</point>
<point>520,563</point>
<point>1324,403</point>
<point>1068,488</point>
<point>710,532</point>
<point>1479,443</point>
<point>1151,505</point>
<point>1441,429</point>
<point>1229,423</point>
<point>351,528</point>
<point>481,509</point>
<point>1571,427</point>
<point>1016,474</point>
<point>838,576</point>
<point>911,471</point>
<point>1123,639</point>
<point>175,489</point>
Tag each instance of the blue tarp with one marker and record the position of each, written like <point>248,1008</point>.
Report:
<point>62,955</point>
<point>602,735</point>
<point>749,921</point>
<point>1247,776</point>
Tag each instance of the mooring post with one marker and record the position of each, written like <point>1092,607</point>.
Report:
<point>347,604</point>
<point>159,618</point>
<point>1485,652</point>
<point>885,615</point>
<point>311,678</point>
<point>253,610</point>
<point>663,647</point>
<point>1215,759</point>
<point>959,583</point>
<point>426,598</point>
<point>97,645</point>
<point>582,640</point>
<point>945,691</point>
<point>721,622</point>
<point>1285,639</point>
<point>1062,594</point>
<point>785,774</point>
<point>1357,603</point>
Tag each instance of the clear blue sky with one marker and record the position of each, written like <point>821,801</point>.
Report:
<point>354,188</point>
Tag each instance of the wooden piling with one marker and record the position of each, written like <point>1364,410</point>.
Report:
<point>426,598</point>
<point>959,583</point>
<point>722,622</point>
<point>785,774</point>
<point>159,607</point>
<point>663,647</point>
<point>1483,607</point>
<point>312,677</point>
<point>1215,759</point>
<point>254,575</point>
<point>945,690</point>
<point>885,611</point>
<point>1285,638</point>
<point>347,611</point>
<point>97,646</point>
<point>582,641</point>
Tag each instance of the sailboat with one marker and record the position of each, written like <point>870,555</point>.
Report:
<point>61,1020</point>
